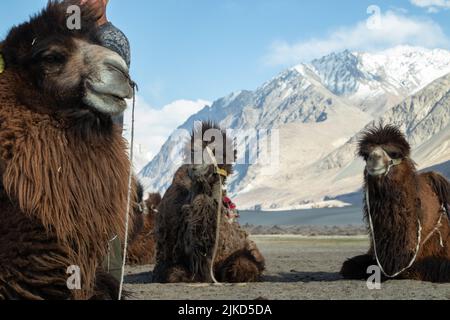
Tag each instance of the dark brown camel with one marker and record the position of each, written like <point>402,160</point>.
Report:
<point>142,247</point>
<point>186,226</point>
<point>63,164</point>
<point>407,213</point>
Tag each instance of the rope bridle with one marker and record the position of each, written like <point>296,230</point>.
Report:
<point>130,188</point>
<point>221,173</point>
<point>394,163</point>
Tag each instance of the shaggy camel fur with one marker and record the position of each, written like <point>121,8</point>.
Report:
<point>63,164</point>
<point>409,210</point>
<point>142,248</point>
<point>187,223</point>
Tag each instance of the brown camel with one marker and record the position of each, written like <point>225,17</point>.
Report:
<point>407,213</point>
<point>142,247</point>
<point>190,247</point>
<point>63,164</point>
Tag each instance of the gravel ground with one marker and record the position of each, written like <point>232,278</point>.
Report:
<point>298,268</point>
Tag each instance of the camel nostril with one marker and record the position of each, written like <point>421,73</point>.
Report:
<point>375,157</point>
<point>118,65</point>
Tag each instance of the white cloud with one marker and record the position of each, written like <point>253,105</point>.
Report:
<point>432,6</point>
<point>393,28</point>
<point>153,126</point>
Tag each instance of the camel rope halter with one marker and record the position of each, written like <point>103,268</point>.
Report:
<point>394,163</point>
<point>221,173</point>
<point>130,189</point>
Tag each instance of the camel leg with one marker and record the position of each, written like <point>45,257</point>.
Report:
<point>356,268</point>
<point>241,267</point>
<point>257,255</point>
<point>32,264</point>
<point>431,269</point>
<point>106,287</point>
<point>164,273</point>
<point>179,274</point>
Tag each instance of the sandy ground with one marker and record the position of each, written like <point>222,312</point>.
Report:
<point>298,268</point>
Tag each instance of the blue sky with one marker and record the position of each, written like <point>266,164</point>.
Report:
<point>187,51</point>
<point>205,49</point>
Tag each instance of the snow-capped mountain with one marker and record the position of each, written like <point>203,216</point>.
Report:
<point>290,98</point>
<point>376,81</point>
<point>318,110</point>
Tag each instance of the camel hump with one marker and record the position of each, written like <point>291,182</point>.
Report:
<point>441,186</point>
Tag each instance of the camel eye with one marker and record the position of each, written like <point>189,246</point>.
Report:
<point>53,58</point>
<point>394,155</point>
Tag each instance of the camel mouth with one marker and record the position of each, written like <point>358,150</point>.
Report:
<point>201,171</point>
<point>107,104</point>
<point>108,84</point>
<point>376,172</point>
<point>108,99</point>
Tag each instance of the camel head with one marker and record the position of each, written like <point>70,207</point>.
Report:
<point>64,70</point>
<point>385,150</point>
<point>209,144</point>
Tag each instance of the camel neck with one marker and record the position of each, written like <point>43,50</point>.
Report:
<point>393,198</point>
<point>394,208</point>
<point>73,178</point>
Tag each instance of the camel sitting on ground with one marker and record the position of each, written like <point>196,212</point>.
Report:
<point>407,213</point>
<point>64,167</point>
<point>198,238</point>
